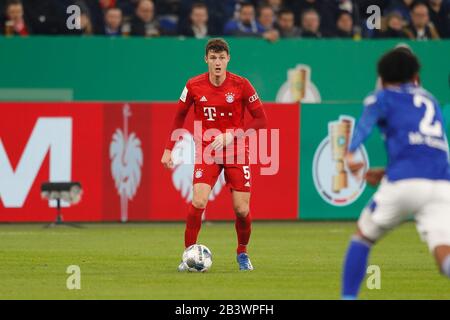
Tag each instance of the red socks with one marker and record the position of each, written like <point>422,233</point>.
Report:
<point>193,224</point>
<point>243,230</point>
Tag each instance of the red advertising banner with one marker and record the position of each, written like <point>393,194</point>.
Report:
<point>114,151</point>
<point>49,142</point>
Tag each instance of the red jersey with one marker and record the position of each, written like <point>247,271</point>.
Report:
<point>221,107</point>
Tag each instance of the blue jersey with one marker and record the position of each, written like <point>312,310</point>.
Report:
<point>411,123</point>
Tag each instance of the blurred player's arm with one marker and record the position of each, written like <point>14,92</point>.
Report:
<point>373,112</point>
<point>184,104</point>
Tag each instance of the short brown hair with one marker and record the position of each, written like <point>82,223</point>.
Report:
<point>217,45</point>
<point>199,5</point>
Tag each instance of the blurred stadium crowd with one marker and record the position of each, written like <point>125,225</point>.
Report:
<point>269,19</point>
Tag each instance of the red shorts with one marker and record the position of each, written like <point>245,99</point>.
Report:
<point>237,176</point>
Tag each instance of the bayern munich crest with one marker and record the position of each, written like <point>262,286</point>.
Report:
<point>198,173</point>
<point>229,97</point>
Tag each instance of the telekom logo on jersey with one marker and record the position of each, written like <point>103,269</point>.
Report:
<point>210,113</point>
<point>52,135</point>
<point>259,145</point>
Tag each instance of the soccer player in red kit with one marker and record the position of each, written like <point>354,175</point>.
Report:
<point>219,99</point>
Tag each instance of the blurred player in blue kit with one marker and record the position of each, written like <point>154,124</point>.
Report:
<point>417,176</point>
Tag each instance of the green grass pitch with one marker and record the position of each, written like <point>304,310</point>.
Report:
<point>138,261</point>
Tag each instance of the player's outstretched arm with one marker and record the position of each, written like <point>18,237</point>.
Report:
<point>374,111</point>
<point>353,165</point>
<point>373,176</point>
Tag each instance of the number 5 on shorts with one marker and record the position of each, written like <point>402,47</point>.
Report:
<point>246,172</point>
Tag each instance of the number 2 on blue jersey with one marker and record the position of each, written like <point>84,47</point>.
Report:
<point>426,126</point>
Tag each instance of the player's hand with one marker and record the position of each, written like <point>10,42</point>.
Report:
<point>353,165</point>
<point>271,35</point>
<point>374,176</point>
<point>166,159</point>
<point>222,140</point>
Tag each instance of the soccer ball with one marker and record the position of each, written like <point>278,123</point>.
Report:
<point>198,258</point>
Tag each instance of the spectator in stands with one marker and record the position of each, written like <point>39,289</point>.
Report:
<point>14,22</point>
<point>168,13</point>
<point>97,11</point>
<point>344,25</point>
<point>420,27</point>
<point>310,24</point>
<point>286,24</point>
<point>144,22</point>
<point>316,18</point>
<point>299,6</point>
<point>113,22</point>
<point>276,5</point>
<point>394,27</point>
<point>86,24</point>
<point>440,16</point>
<point>198,24</point>
<point>403,7</point>
<point>219,12</point>
<point>246,24</point>
<point>266,19</point>
<point>327,11</point>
